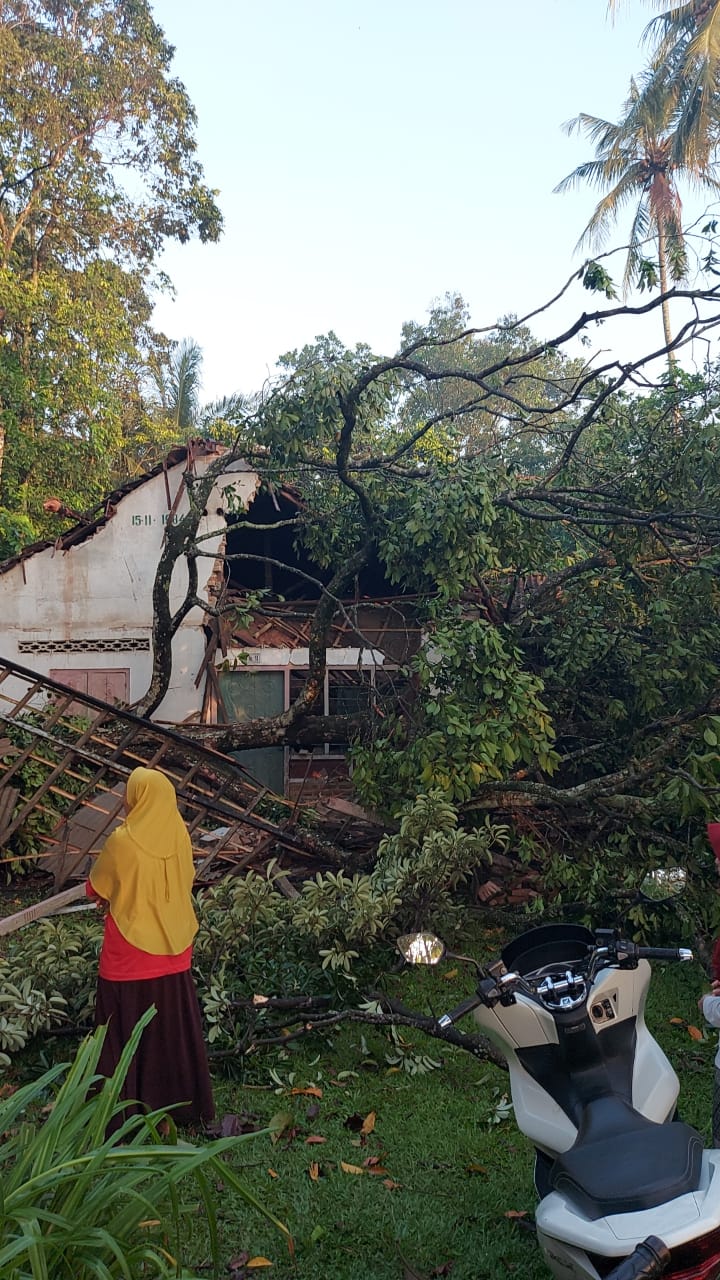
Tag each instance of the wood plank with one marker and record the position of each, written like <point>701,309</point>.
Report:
<point>8,799</point>
<point>40,910</point>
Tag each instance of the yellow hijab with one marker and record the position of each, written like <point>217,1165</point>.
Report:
<point>145,869</point>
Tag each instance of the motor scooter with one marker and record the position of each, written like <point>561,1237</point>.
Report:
<point>626,1190</point>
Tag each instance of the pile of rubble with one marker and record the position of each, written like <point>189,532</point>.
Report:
<point>63,750</point>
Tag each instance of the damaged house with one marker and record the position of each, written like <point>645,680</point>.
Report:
<point>78,610</point>
<point>76,658</point>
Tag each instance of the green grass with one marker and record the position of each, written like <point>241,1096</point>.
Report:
<point>458,1173</point>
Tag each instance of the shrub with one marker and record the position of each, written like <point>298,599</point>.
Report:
<point>330,940</point>
<point>80,1206</point>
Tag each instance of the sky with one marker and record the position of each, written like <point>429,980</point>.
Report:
<point>372,155</point>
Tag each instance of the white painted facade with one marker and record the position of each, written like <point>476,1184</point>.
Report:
<point>90,606</point>
<point>275,656</point>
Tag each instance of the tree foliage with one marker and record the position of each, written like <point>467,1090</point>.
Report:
<point>98,171</point>
<point>562,558</point>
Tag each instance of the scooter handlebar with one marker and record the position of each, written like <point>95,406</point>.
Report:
<point>648,1262</point>
<point>664,953</point>
<point>454,1015</point>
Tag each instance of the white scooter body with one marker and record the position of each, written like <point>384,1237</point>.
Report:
<point>614,1008</point>
<point>525,1024</point>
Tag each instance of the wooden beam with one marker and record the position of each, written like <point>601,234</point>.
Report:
<point>48,907</point>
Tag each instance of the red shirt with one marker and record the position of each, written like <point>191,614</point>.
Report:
<point>120,961</point>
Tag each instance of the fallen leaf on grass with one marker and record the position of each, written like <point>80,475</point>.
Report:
<point>258,1262</point>
<point>314,1138</point>
<point>232,1125</point>
<point>314,1171</point>
<point>444,1269</point>
<point>150,1222</point>
<point>279,1124</point>
<point>238,1262</point>
<point>361,1124</point>
<point>515,1213</point>
<point>448,977</point>
<point>475,1168</point>
<point>350,1168</point>
<point>694,1032</point>
<point>368,1124</point>
<point>391,1185</point>
<point>273,1174</point>
<point>311,1091</point>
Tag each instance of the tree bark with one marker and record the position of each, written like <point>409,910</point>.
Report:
<point>665,305</point>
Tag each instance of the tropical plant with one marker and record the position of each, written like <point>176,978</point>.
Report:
<point>80,1205</point>
<point>685,58</point>
<point>171,411</point>
<point>636,162</point>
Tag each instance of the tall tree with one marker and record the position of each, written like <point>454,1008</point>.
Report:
<point>685,63</point>
<point>635,162</point>
<point>99,169</point>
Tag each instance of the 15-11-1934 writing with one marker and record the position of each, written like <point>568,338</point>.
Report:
<point>150,520</point>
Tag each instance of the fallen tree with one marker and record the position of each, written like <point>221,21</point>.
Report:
<point>557,523</point>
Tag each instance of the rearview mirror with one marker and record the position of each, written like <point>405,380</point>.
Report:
<point>663,883</point>
<point>421,948</point>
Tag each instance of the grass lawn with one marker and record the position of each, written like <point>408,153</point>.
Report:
<point>451,1169</point>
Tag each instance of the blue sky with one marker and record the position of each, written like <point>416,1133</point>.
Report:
<point>373,154</point>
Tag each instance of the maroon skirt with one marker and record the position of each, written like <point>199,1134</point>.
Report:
<point>170,1066</point>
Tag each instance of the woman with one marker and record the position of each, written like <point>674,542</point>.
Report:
<point>143,876</point>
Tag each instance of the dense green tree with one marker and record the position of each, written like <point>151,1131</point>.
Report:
<point>97,139</point>
<point>569,670</point>
<point>509,395</point>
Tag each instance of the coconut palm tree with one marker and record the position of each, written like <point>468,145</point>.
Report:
<point>635,163</point>
<point>685,64</point>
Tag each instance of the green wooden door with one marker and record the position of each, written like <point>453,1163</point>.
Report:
<point>246,695</point>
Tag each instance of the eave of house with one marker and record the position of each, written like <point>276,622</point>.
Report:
<point>183,455</point>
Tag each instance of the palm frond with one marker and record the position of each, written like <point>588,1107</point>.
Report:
<point>232,408</point>
<point>185,380</point>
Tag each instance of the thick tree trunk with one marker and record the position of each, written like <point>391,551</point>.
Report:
<point>307,731</point>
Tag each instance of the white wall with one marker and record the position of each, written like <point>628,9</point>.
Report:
<point>101,589</point>
<point>273,656</point>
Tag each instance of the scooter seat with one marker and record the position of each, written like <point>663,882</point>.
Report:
<point>623,1163</point>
